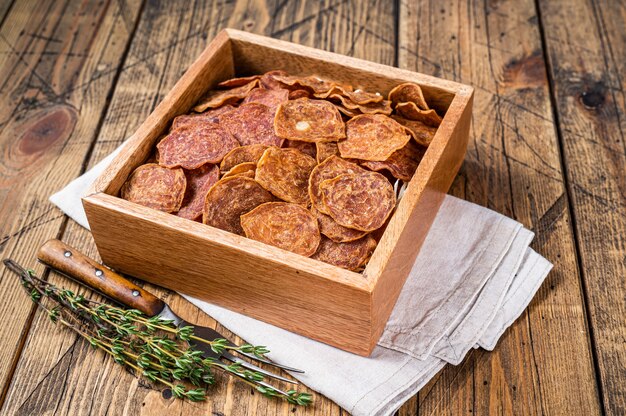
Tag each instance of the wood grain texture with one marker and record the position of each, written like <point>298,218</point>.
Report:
<point>587,70</point>
<point>88,383</point>
<point>541,364</point>
<point>58,67</point>
<point>512,166</point>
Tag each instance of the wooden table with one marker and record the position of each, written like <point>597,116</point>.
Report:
<point>547,148</point>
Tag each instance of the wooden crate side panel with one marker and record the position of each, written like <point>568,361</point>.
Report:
<point>416,212</point>
<point>262,286</point>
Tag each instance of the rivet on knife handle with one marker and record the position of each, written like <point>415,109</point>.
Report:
<point>78,266</point>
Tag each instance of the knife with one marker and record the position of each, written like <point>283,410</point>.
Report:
<point>77,266</point>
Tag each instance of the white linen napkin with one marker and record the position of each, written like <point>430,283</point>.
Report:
<point>473,277</point>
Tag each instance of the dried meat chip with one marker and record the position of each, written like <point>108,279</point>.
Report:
<point>422,134</point>
<point>295,94</point>
<point>313,83</point>
<point>412,112</point>
<point>199,181</point>
<point>218,98</point>
<point>362,201</point>
<point>335,89</point>
<point>307,148</point>
<point>251,123</point>
<point>345,102</point>
<point>270,98</point>
<point>361,97</point>
<point>195,145</point>
<point>242,154</point>
<point>351,255</point>
<point>372,137</point>
<point>383,107</point>
<point>209,116</point>
<point>408,92</point>
<point>309,121</point>
<point>347,111</point>
<point>285,173</point>
<point>283,225</point>
<point>402,163</point>
<point>328,169</point>
<point>269,82</point>
<point>246,169</point>
<point>156,187</point>
<point>229,199</point>
<point>334,231</point>
<point>379,107</point>
<point>238,82</point>
<point>324,150</point>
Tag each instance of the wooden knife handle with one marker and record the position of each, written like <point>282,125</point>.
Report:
<point>78,266</point>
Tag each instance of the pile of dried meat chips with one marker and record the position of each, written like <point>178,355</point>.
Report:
<point>301,163</point>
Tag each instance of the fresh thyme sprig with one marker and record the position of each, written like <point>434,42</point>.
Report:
<point>153,348</point>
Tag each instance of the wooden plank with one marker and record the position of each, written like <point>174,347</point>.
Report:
<point>543,363</point>
<point>587,68</point>
<point>4,9</point>
<point>59,63</point>
<point>58,373</point>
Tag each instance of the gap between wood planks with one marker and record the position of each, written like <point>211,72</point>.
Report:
<point>64,221</point>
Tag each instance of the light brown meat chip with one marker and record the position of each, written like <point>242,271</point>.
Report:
<point>246,169</point>
<point>352,255</point>
<point>408,93</point>
<point>238,82</point>
<point>383,107</point>
<point>309,121</point>
<point>270,98</point>
<point>218,98</point>
<point>324,150</point>
<point>209,116</point>
<point>334,231</point>
<point>345,101</point>
<point>347,111</point>
<point>199,181</point>
<point>361,97</point>
<point>402,164</point>
<point>421,133</point>
<point>229,199</point>
<point>195,145</point>
<point>251,123</point>
<point>242,154</point>
<point>285,173</point>
<point>380,107</point>
<point>295,94</point>
<point>269,82</point>
<point>307,148</point>
<point>283,225</point>
<point>312,83</point>
<point>156,187</point>
<point>328,169</point>
<point>412,112</point>
<point>362,201</point>
<point>372,137</point>
<point>336,89</point>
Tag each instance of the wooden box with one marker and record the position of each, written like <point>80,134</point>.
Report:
<point>345,309</point>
